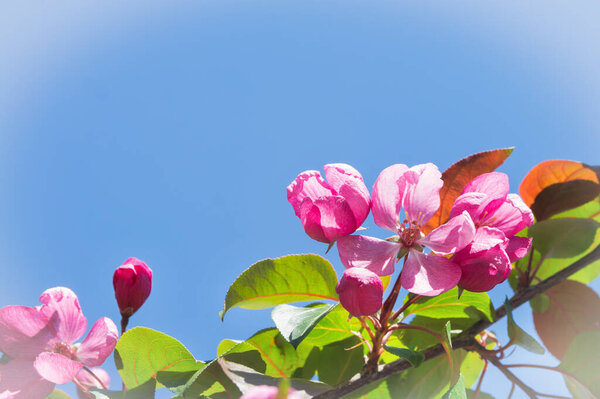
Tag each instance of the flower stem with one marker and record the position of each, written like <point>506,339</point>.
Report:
<point>124,322</point>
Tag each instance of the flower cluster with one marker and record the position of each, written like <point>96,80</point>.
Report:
<point>473,249</point>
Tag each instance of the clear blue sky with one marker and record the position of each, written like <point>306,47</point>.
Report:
<point>169,130</point>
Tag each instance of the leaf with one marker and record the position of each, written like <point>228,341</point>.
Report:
<point>413,357</point>
<point>540,303</point>
<point>58,394</point>
<point>448,305</point>
<point>471,368</point>
<point>482,395</point>
<point>572,309</point>
<point>295,323</point>
<point>550,172</point>
<point>246,378</point>
<point>332,328</point>
<point>292,278</point>
<point>421,340</point>
<point>457,176</point>
<point>144,391</point>
<point>142,352</point>
<point>458,391</point>
<point>582,361</point>
<point>210,381</point>
<point>518,335</point>
<point>564,237</point>
<point>561,197</point>
<point>338,364</point>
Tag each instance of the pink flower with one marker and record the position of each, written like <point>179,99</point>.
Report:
<point>333,209</point>
<point>416,191</point>
<point>360,291</point>
<point>89,382</point>
<point>268,392</point>
<point>42,338</point>
<point>498,216</point>
<point>132,282</point>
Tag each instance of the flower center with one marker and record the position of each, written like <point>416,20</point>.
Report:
<point>409,232</point>
<point>64,349</point>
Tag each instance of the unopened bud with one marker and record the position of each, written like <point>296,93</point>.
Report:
<point>133,283</point>
<point>360,291</point>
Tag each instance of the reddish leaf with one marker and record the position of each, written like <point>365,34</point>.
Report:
<point>573,309</point>
<point>551,172</point>
<point>457,176</point>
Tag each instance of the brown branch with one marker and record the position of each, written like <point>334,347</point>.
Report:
<point>467,337</point>
<point>513,378</point>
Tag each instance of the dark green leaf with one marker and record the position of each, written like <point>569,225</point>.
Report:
<point>457,391</point>
<point>338,364</point>
<point>413,357</point>
<point>540,303</point>
<point>582,361</point>
<point>144,391</point>
<point>518,335</point>
<point>481,395</point>
<point>295,323</point>
<point>292,278</point>
<point>563,237</point>
<point>560,197</point>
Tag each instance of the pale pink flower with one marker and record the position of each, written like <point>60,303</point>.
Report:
<point>360,291</point>
<point>43,336</point>
<point>132,282</point>
<point>416,191</point>
<point>330,209</point>
<point>88,381</point>
<point>268,392</point>
<point>498,216</point>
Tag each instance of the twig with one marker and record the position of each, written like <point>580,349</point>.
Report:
<point>515,380</point>
<point>467,338</point>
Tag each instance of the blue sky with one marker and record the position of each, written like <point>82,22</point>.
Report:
<point>169,130</point>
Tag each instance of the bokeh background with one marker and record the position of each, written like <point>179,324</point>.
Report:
<point>169,130</point>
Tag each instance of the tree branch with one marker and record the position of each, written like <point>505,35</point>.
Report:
<point>467,337</point>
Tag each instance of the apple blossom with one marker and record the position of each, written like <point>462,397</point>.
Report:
<point>360,291</point>
<point>268,392</point>
<point>88,381</point>
<point>132,282</point>
<point>333,209</point>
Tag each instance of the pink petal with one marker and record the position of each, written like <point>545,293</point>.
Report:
<point>88,381</point>
<point>310,216</point>
<point>56,368</point>
<point>378,256</point>
<point>468,202</point>
<point>337,219</point>
<point>70,323</point>
<point>494,184</point>
<point>484,270</point>
<point>518,247</point>
<point>512,216</point>
<point>349,184</point>
<point>487,238</point>
<point>99,343</point>
<point>387,199</point>
<point>20,380</point>
<point>428,274</point>
<point>24,331</point>
<point>420,187</point>
<point>452,236</point>
<point>308,184</point>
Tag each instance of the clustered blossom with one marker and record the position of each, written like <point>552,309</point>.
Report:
<point>40,341</point>
<point>473,249</point>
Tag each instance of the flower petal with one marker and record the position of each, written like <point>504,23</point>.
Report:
<point>468,202</point>
<point>349,184</point>
<point>487,238</point>
<point>20,380</point>
<point>482,271</point>
<point>378,256</point>
<point>308,184</point>
<point>452,236</point>
<point>494,184</point>
<point>428,274</point>
<point>387,199</point>
<point>512,216</point>
<point>518,247</point>
<point>70,322</point>
<point>24,331</point>
<point>89,381</point>
<point>420,189</point>
<point>56,368</point>
<point>99,343</point>
<point>337,219</point>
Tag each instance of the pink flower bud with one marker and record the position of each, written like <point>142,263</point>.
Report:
<point>360,291</point>
<point>133,283</point>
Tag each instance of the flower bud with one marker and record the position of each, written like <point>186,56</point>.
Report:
<point>360,291</point>
<point>133,283</point>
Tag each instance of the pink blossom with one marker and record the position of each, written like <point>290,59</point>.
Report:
<point>88,381</point>
<point>132,282</point>
<point>416,191</point>
<point>333,209</point>
<point>42,338</point>
<point>498,216</point>
<point>360,291</point>
<point>268,392</point>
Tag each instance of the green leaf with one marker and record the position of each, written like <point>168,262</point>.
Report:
<point>448,305</point>
<point>471,368</point>
<point>142,352</point>
<point>145,391</point>
<point>338,364</point>
<point>295,323</point>
<point>540,303</point>
<point>458,391</point>
<point>58,394</point>
<point>563,237</point>
<point>519,336</point>
<point>563,196</point>
<point>335,326</point>
<point>582,361</point>
<point>292,278</point>
<point>413,357</point>
<point>422,340</point>
<point>481,395</point>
